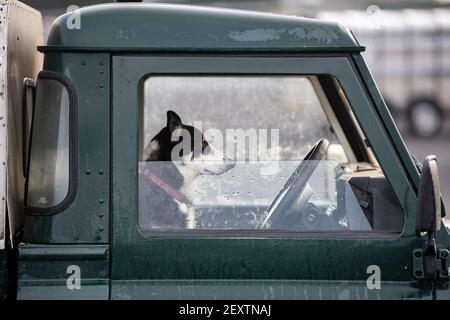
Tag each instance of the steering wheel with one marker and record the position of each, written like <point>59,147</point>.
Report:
<point>294,189</point>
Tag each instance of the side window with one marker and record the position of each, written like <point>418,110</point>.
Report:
<point>51,175</point>
<point>268,153</point>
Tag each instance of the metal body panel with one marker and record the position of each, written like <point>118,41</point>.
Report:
<point>3,135</point>
<point>44,272</point>
<point>150,27</point>
<point>87,218</point>
<point>19,59</point>
<point>264,290</point>
<point>307,258</point>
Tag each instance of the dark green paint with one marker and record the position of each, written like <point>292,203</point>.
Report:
<point>264,290</point>
<point>49,49</point>
<point>43,271</point>
<point>87,219</point>
<point>150,27</point>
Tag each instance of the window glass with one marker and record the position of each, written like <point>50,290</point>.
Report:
<point>48,182</point>
<point>228,153</point>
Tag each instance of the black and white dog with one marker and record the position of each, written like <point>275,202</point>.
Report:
<point>179,153</point>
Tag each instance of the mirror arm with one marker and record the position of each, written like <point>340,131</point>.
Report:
<point>430,255</point>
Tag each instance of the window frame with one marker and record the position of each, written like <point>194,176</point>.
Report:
<point>68,84</point>
<point>341,67</point>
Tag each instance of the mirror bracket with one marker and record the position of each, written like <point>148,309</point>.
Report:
<point>430,256</point>
<point>430,263</point>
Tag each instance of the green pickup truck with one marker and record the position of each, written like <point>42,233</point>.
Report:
<point>156,151</point>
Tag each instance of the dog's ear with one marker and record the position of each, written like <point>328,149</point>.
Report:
<point>173,121</point>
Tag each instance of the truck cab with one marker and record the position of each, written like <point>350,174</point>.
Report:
<point>183,152</point>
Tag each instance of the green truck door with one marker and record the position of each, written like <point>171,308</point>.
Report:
<point>232,260</point>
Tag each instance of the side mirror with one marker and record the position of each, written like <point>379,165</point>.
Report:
<point>428,215</point>
<point>428,212</point>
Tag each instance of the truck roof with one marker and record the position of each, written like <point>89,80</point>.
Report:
<point>140,27</point>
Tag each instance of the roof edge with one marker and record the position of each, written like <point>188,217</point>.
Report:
<point>66,49</point>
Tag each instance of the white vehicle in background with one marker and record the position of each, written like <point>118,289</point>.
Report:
<point>408,52</point>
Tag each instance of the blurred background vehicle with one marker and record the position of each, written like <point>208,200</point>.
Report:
<point>407,52</point>
<point>408,45</point>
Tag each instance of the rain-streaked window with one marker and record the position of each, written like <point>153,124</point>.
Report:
<point>235,153</point>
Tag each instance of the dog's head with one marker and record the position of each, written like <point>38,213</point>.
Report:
<point>187,148</point>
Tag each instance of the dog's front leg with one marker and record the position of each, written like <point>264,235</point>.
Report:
<point>189,212</point>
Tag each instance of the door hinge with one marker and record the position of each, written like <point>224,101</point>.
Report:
<point>431,264</point>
